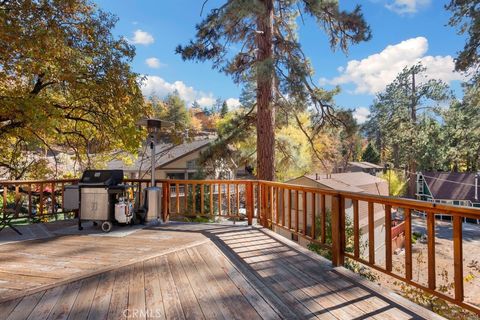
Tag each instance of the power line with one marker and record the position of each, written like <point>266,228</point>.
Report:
<point>435,178</point>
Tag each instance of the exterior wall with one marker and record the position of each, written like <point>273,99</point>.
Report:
<point>179,165</point>
<point>353,169</point>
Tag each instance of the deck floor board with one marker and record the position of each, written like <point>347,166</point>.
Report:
<point>183,271</point>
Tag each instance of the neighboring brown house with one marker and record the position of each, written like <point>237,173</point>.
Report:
<point>456,188</point>
<point>178,162</point>
<point>362,166</point>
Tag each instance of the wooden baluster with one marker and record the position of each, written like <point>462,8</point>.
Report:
<point>264,216</point>
<point>194,198</point>
<point>283,207</point>
<point>140,193</point>
<point>4,199</point>
<point>296,211</point>
<point>324,218</point>
<point>249,202</point>
<point>289,208</point>
<point>271,203</point>
<point>313,222</point>
<point>229,207</point>
<point>63,194</point>
<point>202,200</point>
<point>259,203</point>
<point>343,233</point>
<point>219,199</point>
<point>30,211</point>
<point>388,238</point>
<point>54,201</point>
<point>371,233</point>
<point>356,230</point>
<point>408,243</point>
<point>431,250</point>
<point>458,257</point>
<point>17,193</point>
<point>41,199</point>
<point>277,211</point>
<point>17,199</point>
<point>177,196</point>
<point>185,199</point>
<point>237,193</point>
<point>338,228</point>
<point>304,198</point>
<point>211,190</point>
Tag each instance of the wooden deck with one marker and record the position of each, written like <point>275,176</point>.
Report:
<point>185,271</point>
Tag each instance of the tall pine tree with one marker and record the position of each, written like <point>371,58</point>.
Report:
<point>224,110</point>
<point>272,57</point>
<point>466,17</point>
<point>371,154</point>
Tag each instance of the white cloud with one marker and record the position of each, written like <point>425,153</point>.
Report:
<point>142,37</point>
<point>407,6</point>
<point>154,63</point>
<point>154,85</point>
<point>361,114</point>
<point>205,100</point>
<point>233,103</point>
<point>372,74</point>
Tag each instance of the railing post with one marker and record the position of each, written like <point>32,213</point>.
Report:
<point>165,202</point>
<point>264,212</point>
<point>249,202</point>
<point>338,228</point>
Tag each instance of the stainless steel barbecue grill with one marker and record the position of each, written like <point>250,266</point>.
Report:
<point>100,194</point>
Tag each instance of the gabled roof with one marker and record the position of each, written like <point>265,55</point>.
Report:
<point>348,181</point>
<point>165,153</point>
<point>365,165</point>
<point>451,185</point>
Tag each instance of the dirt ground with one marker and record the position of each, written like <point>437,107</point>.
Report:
<point>443,259</point>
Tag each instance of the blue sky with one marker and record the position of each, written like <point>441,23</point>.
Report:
<point>404,32</point>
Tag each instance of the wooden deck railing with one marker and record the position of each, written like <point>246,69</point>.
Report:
<point>42,199</point>
<point>345,223</point>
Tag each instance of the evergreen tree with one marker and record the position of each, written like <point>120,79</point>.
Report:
<point>224,110</point>
<point>350,140</point>
<point>394,117</point>
<point>466,17</point>
<point>272,56</point>
<point>196,105</point>
<point>461,128</point>
<point>371,154</point>
<point>176,112</point>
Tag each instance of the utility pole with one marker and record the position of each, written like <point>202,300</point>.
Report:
<point>412,165</point>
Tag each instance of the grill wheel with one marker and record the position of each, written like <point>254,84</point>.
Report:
<point>106,226</point>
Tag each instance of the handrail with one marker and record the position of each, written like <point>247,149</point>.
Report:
<point>319,216</point>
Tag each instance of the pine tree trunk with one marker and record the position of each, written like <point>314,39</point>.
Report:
<point>265,106</point>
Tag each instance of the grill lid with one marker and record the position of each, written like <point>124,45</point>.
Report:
<point>101,178</point>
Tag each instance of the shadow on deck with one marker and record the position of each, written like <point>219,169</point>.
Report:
<point>195,271</point>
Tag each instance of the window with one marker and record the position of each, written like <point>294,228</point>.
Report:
<point>192,164</point>
<point>176,175</point>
